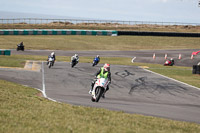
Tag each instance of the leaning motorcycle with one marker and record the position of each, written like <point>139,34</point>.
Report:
<point>95,61</point>
<point>50,62</point>
<point>168,63</point>
<point>74,62</point>
<point>20,47</point>
<point>99,89</point>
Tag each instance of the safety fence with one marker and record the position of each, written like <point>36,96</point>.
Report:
<point>174,34</point>
<point>56,32</point>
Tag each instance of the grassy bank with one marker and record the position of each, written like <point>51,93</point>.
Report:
<point>22,110</point>
<point>99,42</point>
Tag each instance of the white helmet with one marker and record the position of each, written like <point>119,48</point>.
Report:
<point>98,56</point>
<point>52,54</point>
<point>76,55</point>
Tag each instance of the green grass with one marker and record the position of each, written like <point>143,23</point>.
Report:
<point>11,61</point>
<point>22,111</point>
<point>67,42</point>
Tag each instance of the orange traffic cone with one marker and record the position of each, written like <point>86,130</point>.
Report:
<point>179,56</point>
<point>192,56</point>
<point>165,56</point>
<point>154,56</point>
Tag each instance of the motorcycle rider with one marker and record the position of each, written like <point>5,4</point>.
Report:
<point>172,61</point>
<point>21,46</point>
<point>75,57</point>
<point>103,72</point>
<point>52,55</point>
<point>97,58</point>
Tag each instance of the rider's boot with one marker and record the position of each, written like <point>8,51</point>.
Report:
<point>92,85</point>
<point>103,95</point>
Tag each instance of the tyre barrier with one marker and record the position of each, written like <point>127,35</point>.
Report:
<point>196,69</point>
<point>174,34</point>
<point>5,52</point>
<point>56,32</point>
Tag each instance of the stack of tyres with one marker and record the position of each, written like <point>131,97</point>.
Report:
<point>196,69</point>
<point>4,52</point>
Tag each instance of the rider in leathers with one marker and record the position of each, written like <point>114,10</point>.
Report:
<point>52,56</point>
<point>75,57</point>
<point>98,58</point>
<point>104,72</point>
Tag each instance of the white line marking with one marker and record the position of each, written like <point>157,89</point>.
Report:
<point>133,59</point>
<point>46,96</point>
<point>43,85</point>
<point>43,82</point>
<point>172,79</point>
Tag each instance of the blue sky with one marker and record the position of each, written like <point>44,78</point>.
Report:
<point>186,11</point>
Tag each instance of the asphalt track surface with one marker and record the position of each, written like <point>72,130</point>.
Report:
<point>145,56</point>
<point>133,89</point>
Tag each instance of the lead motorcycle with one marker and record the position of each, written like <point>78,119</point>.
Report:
<point>99,89</point>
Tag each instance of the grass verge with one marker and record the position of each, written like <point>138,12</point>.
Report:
<point>11,61</point>
<point>61,42</point>
<point>21,110</point>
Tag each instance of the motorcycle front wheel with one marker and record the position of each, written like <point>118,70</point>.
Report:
<point>50,64</point>
<point>99,92</point>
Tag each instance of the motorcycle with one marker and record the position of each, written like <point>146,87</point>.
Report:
<point>95,61</point>
<point>168,63</point>
<point>50,62</point>
<point>99,89</point>
<point>20,47</point>
<point>74,62</point>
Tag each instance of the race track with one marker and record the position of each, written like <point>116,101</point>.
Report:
<point>144,56</point>
<point>133,89</point>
